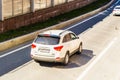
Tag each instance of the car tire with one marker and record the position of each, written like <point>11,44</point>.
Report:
<point>37,61</point>
<point>66,59</point>
<point>80,48</point>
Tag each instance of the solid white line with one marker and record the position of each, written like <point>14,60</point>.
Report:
<point>30,44</point>
<point>65,29</point>
<point>111,7</point>
<point>96,60</point>
<point>14,51</point>
<point>83,21</point>
<point>117,2</point>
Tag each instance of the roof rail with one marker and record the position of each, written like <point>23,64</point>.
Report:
<point>63,32</point>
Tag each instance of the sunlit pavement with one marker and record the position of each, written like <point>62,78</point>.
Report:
<point>101,38</point>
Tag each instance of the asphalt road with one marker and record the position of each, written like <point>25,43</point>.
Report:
<point>98,61</point>
<point>106,66</point>
<point>19,55</point>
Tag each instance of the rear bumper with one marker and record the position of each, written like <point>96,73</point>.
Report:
<point>116,13</point>
<point>47,58</point>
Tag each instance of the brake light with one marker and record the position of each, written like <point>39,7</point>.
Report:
<point>33,46</point>
<point>58,48</point>
<point>46,35</point>
<point>57,58</point>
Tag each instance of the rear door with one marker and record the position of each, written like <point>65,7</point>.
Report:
<point>67,43</point>
<point>74,42</point>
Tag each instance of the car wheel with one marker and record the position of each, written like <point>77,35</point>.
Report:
<point>66,59</point>
<point>36,61</point>
<point>80,48</point>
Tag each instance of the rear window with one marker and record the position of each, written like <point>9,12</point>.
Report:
<point>47,40</point>
<point>117,8</point>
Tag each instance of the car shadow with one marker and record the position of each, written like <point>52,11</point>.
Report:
<point>76,60</point>
<point>116,15</point>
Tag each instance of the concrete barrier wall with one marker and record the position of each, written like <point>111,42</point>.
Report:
<point>41,15</point>
<point>16,41</point>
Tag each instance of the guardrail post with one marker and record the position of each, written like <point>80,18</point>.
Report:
<point>66,1</point>
<point>1,10</point>
<point>32,4</point>
<point>52,3</point>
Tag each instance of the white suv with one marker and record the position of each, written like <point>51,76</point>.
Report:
<point>55,46</point>
<point>116,10</point>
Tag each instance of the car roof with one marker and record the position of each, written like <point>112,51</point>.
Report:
<point>56,32</point>
<point>117,6</point>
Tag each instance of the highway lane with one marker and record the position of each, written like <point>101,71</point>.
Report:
<point>88,23</point>
<point>12,61</point>
<point>95,63</point>
<point>106,66</point>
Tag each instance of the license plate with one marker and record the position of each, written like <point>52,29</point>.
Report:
<point>44,50</point>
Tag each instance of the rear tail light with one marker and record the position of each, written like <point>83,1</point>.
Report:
<point>58,48</point>
<point>57,58</point>
<point>33,46</point>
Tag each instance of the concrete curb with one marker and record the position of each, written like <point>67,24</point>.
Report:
<point>19,40</point>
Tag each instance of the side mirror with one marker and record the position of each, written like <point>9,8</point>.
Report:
<point>77,37</point>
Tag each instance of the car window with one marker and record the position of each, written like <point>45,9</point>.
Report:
<point>66,38</point>
<point>117,8</point>
<point>73,36</point>
<point>47,40</point>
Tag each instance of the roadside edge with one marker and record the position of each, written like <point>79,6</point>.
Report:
<point>19,40</point>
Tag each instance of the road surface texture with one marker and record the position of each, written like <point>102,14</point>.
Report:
<point>98,61</point>
<point>19,55</point>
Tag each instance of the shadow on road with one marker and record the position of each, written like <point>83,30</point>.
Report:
<point>76,60</point>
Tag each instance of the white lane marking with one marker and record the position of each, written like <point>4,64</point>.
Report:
<point>65,29</point>
<point>96,60</point>
<point>14,51</point>
<point>30,44</point>
<point>117,2</point>
<point>83,21</point>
